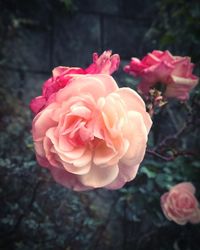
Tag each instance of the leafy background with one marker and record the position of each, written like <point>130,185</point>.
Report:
<point>36,212</point>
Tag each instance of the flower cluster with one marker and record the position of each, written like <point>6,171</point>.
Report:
<point>87,131</point>
<point>90,133</point>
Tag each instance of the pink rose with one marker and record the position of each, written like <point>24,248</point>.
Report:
<point>93,134</point>
<point>161,67</point>
<point>180,204</point>
<point>105,64</point>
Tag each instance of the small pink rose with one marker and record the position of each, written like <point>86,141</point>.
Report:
<point>105,64</point>
<point>180,204</point>
<point>162,67</point>
<point>93,134</point>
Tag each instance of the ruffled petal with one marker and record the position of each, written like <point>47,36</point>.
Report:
<point>104,64</point>
<point>37,104</point>
<point>68,180</point>
<point>134,102</point>
<point>99,177</point>
<point>126,174</point>
<point>94,85</point>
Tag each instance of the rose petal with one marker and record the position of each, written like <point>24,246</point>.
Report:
<point>99,177</point>
<point>126,174</point>
<point>105,64</point>
<point>88,84</point>
<point>41,123</point>
<point>76,170</point>
<point>68,180</point>
<point>134,102</point>
<point>103,154</point>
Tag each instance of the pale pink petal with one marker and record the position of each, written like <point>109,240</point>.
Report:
<point>81,111</point>
<point>51,154</point>
<point>75,153</point>
<point>136,133</point>
<point>96,85</point>
<point>85,134</point>
<point>59,70</point>
<point>109,83</point>
<point>180,87</point>
<point>64,145</point>
<point>76,170</point>
<point>68,180</point>
<point>188,186</point>
<point>103,154</point>
<point>114,114</point>
<point>126,174</point>
<point>84,160</point>
<point>190,82</point>
<point>181,67</point>
<point>41,123</point>
<point>134,102</point>
<point>99,177</point>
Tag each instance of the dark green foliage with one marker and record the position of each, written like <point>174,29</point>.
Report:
<point>177,27</point>
<point>37,213</point>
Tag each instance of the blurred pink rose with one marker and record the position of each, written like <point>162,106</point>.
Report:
<point>180,204</point>
<point>161,67</point>
<point>105,64</point>
<point>93,134</point>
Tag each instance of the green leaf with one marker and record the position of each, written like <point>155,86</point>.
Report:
<point>149,173</point>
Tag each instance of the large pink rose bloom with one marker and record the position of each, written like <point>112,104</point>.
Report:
<point>104,64</point>
<point>180,204</point>
<point>93,134</point>
<point>162,67</point>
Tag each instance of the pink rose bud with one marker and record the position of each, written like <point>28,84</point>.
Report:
<point>162,67</point>
<point>105,64</point>
<point>92,133</point>
<point>180,204</point>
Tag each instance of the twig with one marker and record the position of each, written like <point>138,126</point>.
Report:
<point>171,137</point>
<point>172,157</point>
<point>165,158</point>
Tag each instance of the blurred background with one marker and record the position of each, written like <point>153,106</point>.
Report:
<point>36,212</point>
